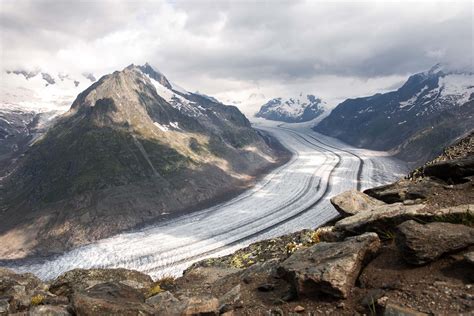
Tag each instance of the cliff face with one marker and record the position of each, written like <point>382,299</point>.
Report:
<point>404,248</point>
<point>129,151</point>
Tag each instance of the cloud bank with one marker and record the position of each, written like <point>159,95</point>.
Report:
<point>232,49</point>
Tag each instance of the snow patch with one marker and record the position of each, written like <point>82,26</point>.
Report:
<point>163,128</point>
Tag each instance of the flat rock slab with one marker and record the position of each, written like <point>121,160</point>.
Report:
<point>329,268</point>
<point>352,202</point>
<point>390,215</point>
<point>81,279</point>
<point>421,244</point>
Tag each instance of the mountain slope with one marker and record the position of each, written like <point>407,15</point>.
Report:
<point>416,121</point>
<point>130,150</point>
<point>292,110</point>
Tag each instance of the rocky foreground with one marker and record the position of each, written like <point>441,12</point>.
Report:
<point>401,249</point>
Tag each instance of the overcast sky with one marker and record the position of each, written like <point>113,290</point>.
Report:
<point>232,49</point>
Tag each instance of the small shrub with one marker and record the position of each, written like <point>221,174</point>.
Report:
<point>155,289</point>
<point>387,235</point>
<point>37,299</point>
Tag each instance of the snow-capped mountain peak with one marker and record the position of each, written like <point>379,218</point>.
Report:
<point>304,107</point>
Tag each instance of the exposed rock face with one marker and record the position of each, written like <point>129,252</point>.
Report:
<point>421,244</point>
<point>352,202</point>
<point>80,279</point>
<point>329,268</point>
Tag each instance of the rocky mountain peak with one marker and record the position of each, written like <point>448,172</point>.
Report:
<point>155,74</point>
<point>304,107</point>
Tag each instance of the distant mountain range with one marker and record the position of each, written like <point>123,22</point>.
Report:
<point>132,148</point>
<point>416,122</point>
<point>292,110</point>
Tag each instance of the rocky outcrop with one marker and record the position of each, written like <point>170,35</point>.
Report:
<point>110,298</point>
<point>329,268</point>
<point>78,280</point>
<point>451,170</point>
<point>352,202</point>
<point>401,191</point>
<point>421,244</point>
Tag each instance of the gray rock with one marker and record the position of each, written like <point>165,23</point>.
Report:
<point>209,275</point>
<point>329,268</point>
<point>383,215</point>
<point>469,257</point>
<point>392,309</point>
<point>49,310</point>
<point>402,190</point>
<point>370,299</point>
<point>81,279</point>
<point>201,306</point>
<point>227,300</point>
<point>112,298</point>
<point>421,244</point>
<point>352,202</point>
<point>451,170</point>
<point>166,303</point>
<point>268,268</point>
<point>394,214</point>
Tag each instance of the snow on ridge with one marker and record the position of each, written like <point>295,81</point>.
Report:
<point>175,100</point>
<point>456,87</point>
<point>292,107</point>
<point>178,88</point>
<point>413,98</point>
<point>163,128</point>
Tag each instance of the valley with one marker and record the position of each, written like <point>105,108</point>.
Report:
<point>290,198</point>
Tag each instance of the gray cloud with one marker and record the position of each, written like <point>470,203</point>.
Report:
<point>219,46</point>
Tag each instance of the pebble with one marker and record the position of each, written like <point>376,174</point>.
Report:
<point>299,309</point>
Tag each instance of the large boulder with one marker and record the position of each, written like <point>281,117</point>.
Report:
<point>421,244</point>
<point>387,216</point>
<point>329,268</point>
<point>402,190</point>
<point>165,303</point>
<point>379,218</point>
<point>80,279</point>
<point>352,202</point>
<point>111,298</point>
<point>451,170</point>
